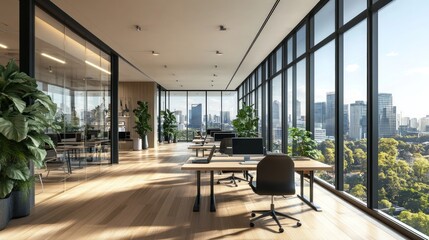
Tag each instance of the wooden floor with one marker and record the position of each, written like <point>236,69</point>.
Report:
<point>147,196</point>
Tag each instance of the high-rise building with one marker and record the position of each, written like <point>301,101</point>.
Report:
<point>276,110</point>
<point>357,120</point>
<point>320,114</point>
<point>424,124</point>
<point>195,116</point>
<point>346,123</point>
<point>414,123</point>
<point>386,115</point>
<point>330,114</point>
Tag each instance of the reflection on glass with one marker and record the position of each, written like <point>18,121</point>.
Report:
<point>279,59</point>
<point>229,109</point>
<point>276,114</point>
<point>352,8</point>
<point>300,94</point>
<point>290,50</point>
<point>324,106</point>
<point>214,110</point>
<point>178,106</point>
<point>403,117</point>
<point>9,32</point>
<point>324,22</point>
<point>300,41</point>
<point>355,111</point>
<point>82,95</point>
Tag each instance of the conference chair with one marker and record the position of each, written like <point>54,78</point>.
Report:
<point>275,177</point>
<point>226,148</point>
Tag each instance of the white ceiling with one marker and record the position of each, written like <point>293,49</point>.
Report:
<point>186,34</point>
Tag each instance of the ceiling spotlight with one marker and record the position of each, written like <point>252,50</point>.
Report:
<point>212,85</point>
<point>138,28</point>
<point>50,69</point>
<point>165,66</point>
<point>214,75</point>
<point>215,66</point>
<point>212,80</point>
<point>155,53</point>
<point>177,80</point>
<point>173,74</point>
<point>181,85</point>
<point>218,53</point>
<point>222,28</point>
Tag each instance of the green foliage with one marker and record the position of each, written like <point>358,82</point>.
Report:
<point>169,125</point>
<point>142,118</point>
<point>419,221</point>
<point>359,191</point>
<point>304,144</point>
<point>246,123</point>
<point>25,114</point>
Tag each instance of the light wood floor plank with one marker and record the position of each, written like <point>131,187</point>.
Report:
<point>147,196</point>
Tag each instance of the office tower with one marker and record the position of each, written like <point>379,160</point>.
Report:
<point>320,114</point>
<point>298,109</point>
<point>276,111</point>
<point>357,120</point>
<point>330,114</point>
<point>414,123</point>
<point>424,124</point>
<point>226,116</point>
<point>386,115</point>
<point>195,116</point>
<point>405,121</point>
<point>346,123</point>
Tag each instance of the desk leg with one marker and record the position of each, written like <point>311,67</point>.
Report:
<point>198,197</point>
<point>196,152</point>
<point>309,202</point>
<point>69,162</point>
<point>212,195</point>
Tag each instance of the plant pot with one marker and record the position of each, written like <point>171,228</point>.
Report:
<point>137,144</point>
<point>5,211</point>
<point>167,138</point>
<point>21,203</point>
<point>145,143</point>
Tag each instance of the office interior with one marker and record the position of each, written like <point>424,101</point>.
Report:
<point>352,72</point>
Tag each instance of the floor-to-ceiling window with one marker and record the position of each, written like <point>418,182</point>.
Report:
<point>229,109</point>
<point>214,109</point>
<point>276,113</point>
<point>403,117</point>
<point>9,32</point>
<point>361,68</point>
<point>178,105</point>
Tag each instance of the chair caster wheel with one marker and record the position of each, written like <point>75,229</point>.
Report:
<point>253,214</point>
<point>230,181</point>
<point>298,224</point>
<point>218,182</point>
<point>281,230</point>
<point>239,180</point>
<point>252,224</point>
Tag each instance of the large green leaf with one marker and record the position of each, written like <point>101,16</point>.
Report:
<point>15,173</point>
<point>46,101</point>
<point>15,127</point>
<point>39,155</point>
<point>6,187</point>
<point>19,104</point>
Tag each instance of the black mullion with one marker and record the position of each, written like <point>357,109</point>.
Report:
<point>339,100</point>
<point>309,77</point>
<point>26,36</point>
<point>284,111</point>
<point>114,65</point>
<point>159,111</point>
<point>372,109</point>
<point>187,114</point>
<point>221,111</point>
<point>294,90</point>
<point>206,113</point>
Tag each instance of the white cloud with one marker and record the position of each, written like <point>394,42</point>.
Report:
<point>352,67</point>
<point>418,71</point>
<point>392,54</point>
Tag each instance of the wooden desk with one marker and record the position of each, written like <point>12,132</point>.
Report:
<point>305,168</point>
<point>200,141</point>
<point>201,147</point>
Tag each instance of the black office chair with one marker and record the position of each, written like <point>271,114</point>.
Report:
<point>275,176</point>
<point>226,148</point>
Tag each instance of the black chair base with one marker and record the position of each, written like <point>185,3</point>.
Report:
<point>232,179</point>
<point>273,213</point>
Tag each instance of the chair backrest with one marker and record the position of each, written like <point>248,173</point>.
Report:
<point>275,175</point>
<point>226,146</point>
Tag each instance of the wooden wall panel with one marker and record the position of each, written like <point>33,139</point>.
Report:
<point>130,93</point>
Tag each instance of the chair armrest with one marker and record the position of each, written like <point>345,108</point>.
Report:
<point>251,177</point>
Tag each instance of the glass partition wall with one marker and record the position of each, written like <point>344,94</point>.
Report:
<point>76,75</point>
<point>354,73</point>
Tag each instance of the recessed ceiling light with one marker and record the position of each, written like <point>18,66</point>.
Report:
<point>138,28</point>
<point>174,74</point>
<point>214,75</point>
<point>212,80</point>
<point>181,85</point>
<point>155,53</point>
<point>218,53</point>
<point>97,67</point>
<point>222,28</point>
<point>215,66</point>
<point>165,66</point>
<point>212,85</point>
<point>50,69</point>
<point>177,80</point>
<point>53,58</point>
<point>3,46</point>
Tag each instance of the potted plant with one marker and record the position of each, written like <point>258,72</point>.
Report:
<point>142,127</point>
<point>303,144</point>
<point>25,114</point>
<point>169,124</point>
<point>246,123</point>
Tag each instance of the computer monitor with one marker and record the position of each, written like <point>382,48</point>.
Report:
<point>247,145</point>
<point>218,136</point>
<point>209,130</point>
<point>212,133</point>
